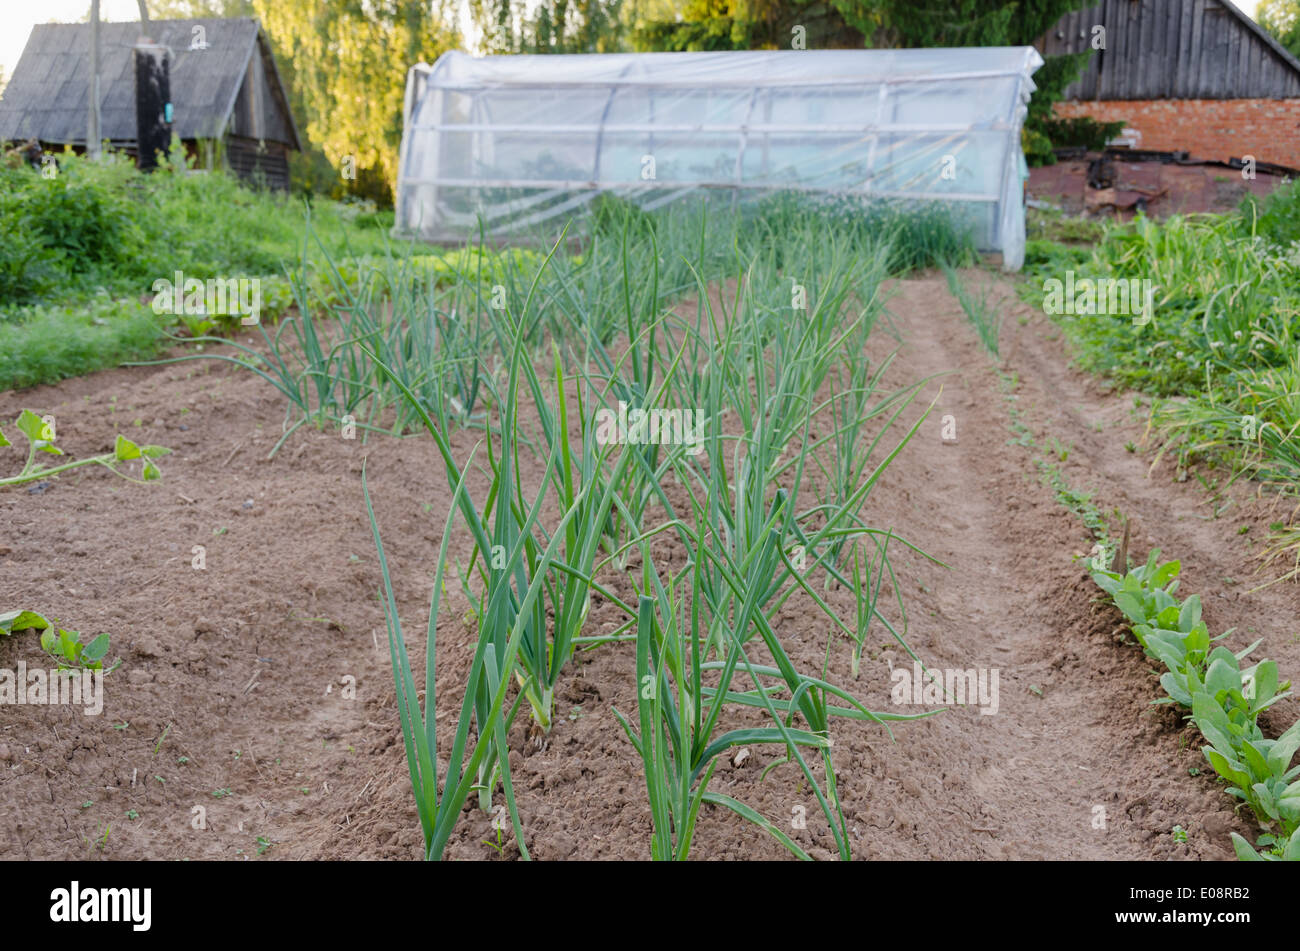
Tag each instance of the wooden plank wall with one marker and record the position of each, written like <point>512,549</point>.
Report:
<point>267,165</point>
<point>259,112</point>
<point>1171,49</point>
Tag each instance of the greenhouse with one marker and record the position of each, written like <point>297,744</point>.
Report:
<point>523,142</point>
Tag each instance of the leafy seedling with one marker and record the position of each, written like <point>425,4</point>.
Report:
<point>71,654</point>
<point>12,621</point>
<point>1225,701</point>
<point>1276,848</point>
<point>499,844</point>
<point>63,645</point>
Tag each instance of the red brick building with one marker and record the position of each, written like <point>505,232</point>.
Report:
<point>1185,75</point>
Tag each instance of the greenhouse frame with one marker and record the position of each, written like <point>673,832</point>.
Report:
<point>522,143</point>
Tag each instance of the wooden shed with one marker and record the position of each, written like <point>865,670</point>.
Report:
<point>229,105</point>
<point>1186,75</point>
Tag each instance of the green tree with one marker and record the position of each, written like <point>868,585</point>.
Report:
<point>759,24</point>
<point>753,24</point>
<point>909,23</point>
<point>349,61</point>
<point>750,24</point>
<point>569,26</point>
<point>1282,19</point>
<point>554,26</point>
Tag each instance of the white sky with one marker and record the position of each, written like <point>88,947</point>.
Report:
<point>17,17</point>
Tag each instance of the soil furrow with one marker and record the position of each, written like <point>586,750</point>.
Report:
<point>232,692</point>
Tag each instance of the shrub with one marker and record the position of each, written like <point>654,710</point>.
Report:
<point>1080,131</point>
<point>1037,147</point>
<point>27,266</point>
<point>84,213</point>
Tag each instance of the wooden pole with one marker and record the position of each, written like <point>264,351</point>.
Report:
<point>92,115</point>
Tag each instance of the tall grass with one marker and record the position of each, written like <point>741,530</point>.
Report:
<point>1220,295</point>
<point>1256,424</point>
<point>1221,351</point>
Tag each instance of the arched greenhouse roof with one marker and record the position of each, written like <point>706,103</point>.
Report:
<point>526,141</point>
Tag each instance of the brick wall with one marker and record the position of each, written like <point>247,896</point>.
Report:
<point>1268,129</point>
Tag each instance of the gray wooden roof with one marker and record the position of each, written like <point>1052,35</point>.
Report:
<point>1174,49</point>
<point>46,98</point>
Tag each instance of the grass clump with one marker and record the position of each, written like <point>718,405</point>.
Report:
<point>46,343</point>
<point>985,316</point>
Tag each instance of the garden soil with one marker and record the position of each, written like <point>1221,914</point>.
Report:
<point>253,715</point>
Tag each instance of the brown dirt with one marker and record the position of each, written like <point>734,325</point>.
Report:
<point>240,669</point>
<point>1168,189</point>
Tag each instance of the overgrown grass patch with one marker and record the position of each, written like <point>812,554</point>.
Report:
<point>46,343</point>
<point>84,247</point>
<point>1220,351</point>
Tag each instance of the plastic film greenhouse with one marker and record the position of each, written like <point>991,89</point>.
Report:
<point>520,143</point>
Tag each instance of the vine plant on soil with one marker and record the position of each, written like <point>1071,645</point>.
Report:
<point>40,438</point>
